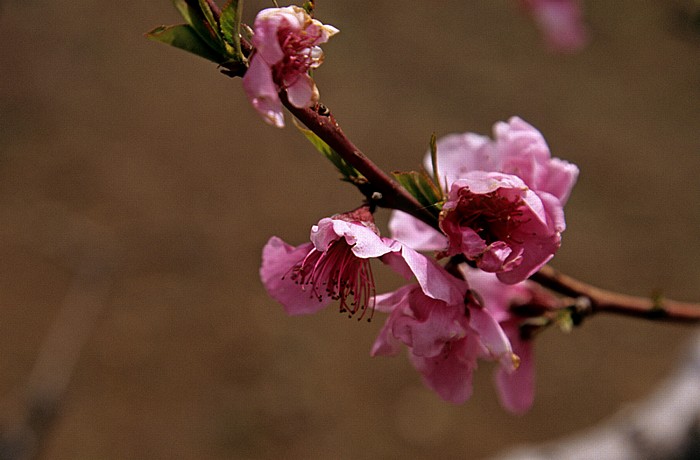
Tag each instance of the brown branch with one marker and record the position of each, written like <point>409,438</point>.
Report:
<point>604,301</point>
<point>390,193</point>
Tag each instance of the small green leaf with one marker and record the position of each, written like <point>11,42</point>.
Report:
<point>230,24</point>
<point>433,159</point>
<point>209,16</point>
<point>309,7</point>
<point>422,188</point>
<point>195,17</point>
<point>349,173</point>
<point>184,10</point>
<point>565,321</point>
<point>184,37</point>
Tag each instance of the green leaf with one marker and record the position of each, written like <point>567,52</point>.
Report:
<point>197,19</point>
<point>209,16</point>
<point>184,9</point>
<point>422,188</point>
<point>184,37</point>
<point>349,173</point>
<point>434,160</point>
<point>230,24</point>
<point>309,7</point>
<point>565,321</point>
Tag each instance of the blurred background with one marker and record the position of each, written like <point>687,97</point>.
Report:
<point>137,188</point>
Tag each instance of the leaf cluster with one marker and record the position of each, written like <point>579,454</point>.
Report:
<point>208,32</point>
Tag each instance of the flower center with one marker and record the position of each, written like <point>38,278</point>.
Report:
<point>300,54</point>
<point>339,274</point>
<point>492,216</point>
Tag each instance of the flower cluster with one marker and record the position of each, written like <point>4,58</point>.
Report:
<point>504,208</point>
<point>502,214</point>
<point>285,47</point>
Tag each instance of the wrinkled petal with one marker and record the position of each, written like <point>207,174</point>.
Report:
<point>537,251</point>
<point>450,373</point>
<point>426,324</point>
<point>364,241</point>
<point>497,257</point>
<point>277,261</point>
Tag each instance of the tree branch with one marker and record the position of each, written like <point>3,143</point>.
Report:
<point>604,301</point>
<point>391,194</point>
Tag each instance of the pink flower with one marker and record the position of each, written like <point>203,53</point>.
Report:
<point>561,23</point>
<point>286,46</point>
<point>335,265</point>
<point>445,337</point>
<point>504,208</point>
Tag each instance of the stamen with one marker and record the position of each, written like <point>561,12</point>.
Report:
<point>337,274</point>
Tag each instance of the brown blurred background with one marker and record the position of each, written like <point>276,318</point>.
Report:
<point>137,188</point>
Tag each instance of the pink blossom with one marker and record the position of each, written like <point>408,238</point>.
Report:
<point>504,208</point>
<point>285,45</point>
<point>335,265</point>
<point>561,23</point>
<point>445,337</point>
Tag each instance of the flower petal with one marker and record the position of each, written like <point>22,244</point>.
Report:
<point>450,373</point>
<point>303,92</point>
<point>262,92</point>
<point>417,234</point>
<point>277,262</point>
<point>516,390</point>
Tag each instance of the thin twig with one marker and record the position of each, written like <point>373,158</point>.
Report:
<point>604,301</point>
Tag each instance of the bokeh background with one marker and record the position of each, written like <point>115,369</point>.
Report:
<point>137,188</point>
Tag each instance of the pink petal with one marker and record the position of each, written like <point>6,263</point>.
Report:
<point>516,389</point>
<point>262,92</point>
<point>277,262</point>
<point>537,251</point>
<point>266,38</point>
<point>365,242</point>
<point>495,257</point>
<point>526,154</point>
<point>561,23</point>
<point>432,278</point>
<point>459,154</point>
<point>385,343</point>
<point>428,324</point>
<point>387,302</point>
<point>415,233</point>
<point>450,373</point>
<point>303,92</point>
<point>495,296</point>
<point>492,337</point>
